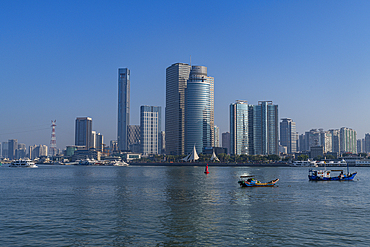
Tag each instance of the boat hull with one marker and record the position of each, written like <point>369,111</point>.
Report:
<point>244,183</point>
<point>350,177</point>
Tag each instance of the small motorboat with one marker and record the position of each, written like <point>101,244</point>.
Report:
<point>250,181</point>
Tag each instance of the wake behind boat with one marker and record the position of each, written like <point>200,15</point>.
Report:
<point>249,181</point>
<point>23,163</point>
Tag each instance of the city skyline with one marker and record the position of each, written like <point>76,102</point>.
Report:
<point>310,58</point>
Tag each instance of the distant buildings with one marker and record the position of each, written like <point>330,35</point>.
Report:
<point>226,141</point>
<point>37,151</point>
<point>123,107</point>
<point>150,129</point>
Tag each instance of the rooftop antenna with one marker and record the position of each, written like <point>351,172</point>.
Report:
<point>190,60</point>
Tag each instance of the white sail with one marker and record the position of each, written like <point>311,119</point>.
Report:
<point>214,157</point>
<point>194,156</point>
<point>186,158</point>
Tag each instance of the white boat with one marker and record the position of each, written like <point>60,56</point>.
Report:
<point>118,163</point>
<point>23,163</point>
<point>305,163</point>
<point>337,163</point>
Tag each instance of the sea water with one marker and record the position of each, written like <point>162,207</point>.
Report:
<point>180,206</point>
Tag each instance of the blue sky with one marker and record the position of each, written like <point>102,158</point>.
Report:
<point>59,60</point>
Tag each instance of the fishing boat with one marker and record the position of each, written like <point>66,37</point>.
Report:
<point>327,175</point>
<point>250,181</point>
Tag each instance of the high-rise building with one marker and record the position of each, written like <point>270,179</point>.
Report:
<point>133,137</point>
<point>359,146</point>
<point>326,140</point>
<point>335,140</point>
<point>288,135</point>
<point>177,76</point>
<point>12,146</point>
<point>263,128</point>
<point>217,137</point>
<point>4,149</point>
<point>150,129</point>
<point>123,107</point>
<point>367,143</point>
<point>239,128</point>
<point>348,140</point>
<point>162,144</point>
<point>99,142</point>
<point>226,141</point>
<point>21,151</point>
<point>199,110</point>
<point>83,132</point>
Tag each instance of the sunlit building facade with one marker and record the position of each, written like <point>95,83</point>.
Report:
<point>150,129</point>
<point>239,128</point>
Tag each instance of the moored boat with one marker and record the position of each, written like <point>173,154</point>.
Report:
<point>250,181</point>
<point>23,163</point>
<point>305,163</point>
<point>118,163</point>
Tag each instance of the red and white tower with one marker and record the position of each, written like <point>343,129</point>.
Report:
<point>53,141</point>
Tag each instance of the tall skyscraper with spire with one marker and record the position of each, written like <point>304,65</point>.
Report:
<point>177,76</point>
<point>123,107</point>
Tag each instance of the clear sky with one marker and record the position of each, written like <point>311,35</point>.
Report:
<point>59,60</point>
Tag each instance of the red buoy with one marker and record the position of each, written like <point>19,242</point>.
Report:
<point>206,171</point>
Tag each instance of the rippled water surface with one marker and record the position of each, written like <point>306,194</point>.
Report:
<point>179,206</point>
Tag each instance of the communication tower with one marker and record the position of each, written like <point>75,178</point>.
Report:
<point>53,141</point>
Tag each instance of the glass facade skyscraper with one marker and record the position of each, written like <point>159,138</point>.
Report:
<point>239,127</point>
<point>199,110</point>
<point>264,132</point>
<point>123,107</point>
<point>177,76</point>
<point>150,129</point>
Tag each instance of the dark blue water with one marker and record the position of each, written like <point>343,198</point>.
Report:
<point>179,206</point>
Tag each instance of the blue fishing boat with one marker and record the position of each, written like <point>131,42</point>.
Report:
<point>327,175</point>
